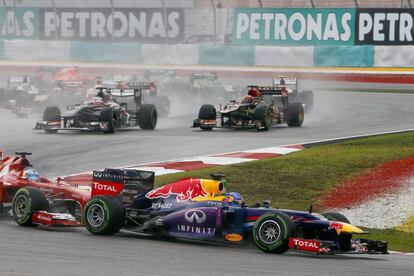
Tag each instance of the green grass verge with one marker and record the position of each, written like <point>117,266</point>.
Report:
<point>296,180</point>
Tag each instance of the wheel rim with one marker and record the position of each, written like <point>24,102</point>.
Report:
<point>96,215</point>
<point>301,116</point>
<point>20,207</point>
<point>269,232</point>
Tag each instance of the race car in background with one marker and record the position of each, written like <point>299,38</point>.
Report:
<point>191,208</point>
<point>262,108</point>
<point>110,109</point>
<point>209,88</point>
<point>295,95</point>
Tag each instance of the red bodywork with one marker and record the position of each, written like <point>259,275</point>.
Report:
<point>76,188</point>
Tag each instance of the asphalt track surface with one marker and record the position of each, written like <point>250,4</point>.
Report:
<point>25,251</point>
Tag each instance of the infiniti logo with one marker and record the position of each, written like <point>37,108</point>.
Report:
<point>197,215</point>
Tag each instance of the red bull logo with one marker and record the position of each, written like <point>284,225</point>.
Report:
<point>184,190</point>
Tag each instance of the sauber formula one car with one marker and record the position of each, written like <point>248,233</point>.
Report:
<point>197,209</point>
<point>109,110</point>
<point>263,107</point>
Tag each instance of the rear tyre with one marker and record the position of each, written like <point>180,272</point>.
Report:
<point>108,116</point>
<point>263,115</point>
<point>51,114</point>
<point>104,215</point>
<point>272,231</point>
<point>147,116</point>
<point>295,115</point>
<point>26,201</point>
<point>336,216</point>
<point>207,112</point>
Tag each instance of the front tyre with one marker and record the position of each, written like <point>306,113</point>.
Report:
<point>26,202</point>
<point>108,117</point>
<point>51,114</point>
<point>104,215</point>
<point>272,231</point>
<point>207,112</point>
<point>263,115</point>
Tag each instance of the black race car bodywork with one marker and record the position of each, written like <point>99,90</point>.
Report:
<point>197,209</point>
<point>261,112</point>
<point>111,109</point>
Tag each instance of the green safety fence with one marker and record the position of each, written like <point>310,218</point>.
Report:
<point>340,56</point>
<point>106,52</point>
<point>226,55</point>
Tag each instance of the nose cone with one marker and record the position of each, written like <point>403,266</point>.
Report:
<point>345,227</point>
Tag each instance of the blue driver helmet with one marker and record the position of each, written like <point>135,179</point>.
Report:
<point>32,174</point>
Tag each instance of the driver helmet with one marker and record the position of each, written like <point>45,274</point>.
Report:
<point>236,196</point>
<point>248,99</point>
<point>254,92</point>
<point>97,101</point>
<point>31,174</point>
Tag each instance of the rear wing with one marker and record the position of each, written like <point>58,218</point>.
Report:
<point>145,85</point>
<point>267,90</point>
<point>73,83</point>
<point>127,182</point>
<point>288,81</point>
<point>195,76</point>
<point>119,92</point>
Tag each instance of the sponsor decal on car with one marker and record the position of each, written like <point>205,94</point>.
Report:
<point>159,205</point>
<point>304,245</point>
<point>233,237</point>
<point>195,216</point>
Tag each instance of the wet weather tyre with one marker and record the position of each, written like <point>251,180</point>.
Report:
<point>336,216</point>
<point>26,201</point>
<point>263,114</point>
<point>207,112</point>
<point>104,215</point>
<point>295,115</point>
<point>109,117</point>
<point>51,114</point>
<point>147,116</point>
<point>272,231</point>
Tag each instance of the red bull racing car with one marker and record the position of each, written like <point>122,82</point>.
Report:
<point>196,209</point>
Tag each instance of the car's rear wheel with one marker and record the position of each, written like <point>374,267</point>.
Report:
<point>207,112</point>
<point>147,116</point>
<point>104,215</point>
<point>51,114</point>
<point>295,115</point>
<point>109,118</point>
<point>263,116</point>
<point>26,201</point>
<point>272,231</point>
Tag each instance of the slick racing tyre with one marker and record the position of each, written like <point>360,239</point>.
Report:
<point>272,231</point>
<point>26,201</point>
<point>108,117</point>
<point>147,116</point>
<point>51,114</point>
<point>263,115</point>
<point>104,215</point>
<point>295,115</point>
<point>336,216</point>
<point>207,112</point>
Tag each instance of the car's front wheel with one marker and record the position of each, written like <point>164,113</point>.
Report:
<point>272,231</point>
<point>26,201</point>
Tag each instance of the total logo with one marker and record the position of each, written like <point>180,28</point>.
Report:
<point>195,215</point>
<point>103,187</point>
<point>303,243</point>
